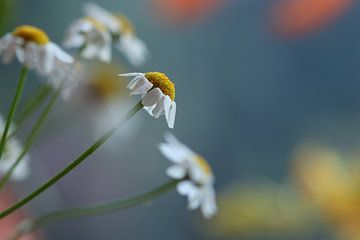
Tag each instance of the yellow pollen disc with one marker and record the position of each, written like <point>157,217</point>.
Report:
<point>160,80</point>
<point>127,27</point>
<point>203,164</point>
<point>98,25</point>
<point>106,84</point>
<point>31,34</point>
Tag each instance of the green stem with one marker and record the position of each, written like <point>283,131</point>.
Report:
<point>32,136</point>
<point>72,165</point>
<point>32,104</point>
<point>93,210</point>
<point>14,104</point>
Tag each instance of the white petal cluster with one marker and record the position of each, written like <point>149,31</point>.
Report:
<point>95,40</point>
<point>44,58</point>
<point>196,178</point>
<point>12,151</point>
<point>155,102</point>
<point>127,42</point>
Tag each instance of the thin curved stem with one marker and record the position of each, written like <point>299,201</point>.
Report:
<point>14,104</point>
<point>32,104</point>
<point>72,165</point>
<point>32,136</point>
<point>93,210</point>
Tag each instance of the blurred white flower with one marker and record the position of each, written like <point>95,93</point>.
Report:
<point>33,48</point>
<point>12,151</point>
<point>158,94</point>
<point>195,174</point>
<point>91,36</point>
<point>122,31</point>
<point>102,96</point>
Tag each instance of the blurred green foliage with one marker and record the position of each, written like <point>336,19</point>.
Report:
<point>6,14</point>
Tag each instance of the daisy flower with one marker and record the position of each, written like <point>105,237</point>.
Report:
<point>91,36</point>
<point>194,173</point>
<point>33,48</point>
<point>158,94</point>
<point>123,33</point>
<point>103,98</point>
<point>12,151</point>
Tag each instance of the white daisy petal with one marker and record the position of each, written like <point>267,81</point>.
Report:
<point>152,97</point>
<point>159,108</point>
<point>102,16</point>
<point>46,59</point>
<point>60,54</point>
<point>169,152</point>
<point>186,188</point>
<point>196,180</point>
<point>171,115</point>
<point>176,172</point>
<point>31,51</point>
<point>141,87</point>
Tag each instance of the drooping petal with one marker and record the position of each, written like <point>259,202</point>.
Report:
<point>186,188</point>
<point>46,59</point>
<point>176,172</point>
<point>152,97</point>
<point>159,108</point>
<point>31,55</point>
<point>170,117</point>
<point>61,54</point>
<point>141,87</point>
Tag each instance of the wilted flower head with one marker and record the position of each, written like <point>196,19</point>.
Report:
<point>91,37</point>
<point>12,151</point>
<point>123,33</point>
<point>195,174</point>
<point>158,94</point>
<point>33,48</point>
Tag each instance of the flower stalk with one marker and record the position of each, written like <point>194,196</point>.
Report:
<point>72,165</point>
<point>93,210</point>
<point>32,136</point>
<point>14,104</point>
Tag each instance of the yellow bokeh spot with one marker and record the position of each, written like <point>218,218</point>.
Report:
<point>127,27</point>
<point>203,164</point>
<point>160,80</point>
<point>31,34</point>
<point>98,25</point>
<point>105,83</point>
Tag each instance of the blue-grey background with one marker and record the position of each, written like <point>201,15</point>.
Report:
<point>245,96</point>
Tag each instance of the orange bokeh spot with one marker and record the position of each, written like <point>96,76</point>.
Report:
<point>185,11</point>
<point>9,224</point>
<point>292,18</point>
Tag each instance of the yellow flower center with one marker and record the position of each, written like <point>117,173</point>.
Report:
<point>160,80</point>
<point>98,25</point>
<point>203,164</point>
<point>31,34</point>
<point>127,27</point>
<point>105,84</point>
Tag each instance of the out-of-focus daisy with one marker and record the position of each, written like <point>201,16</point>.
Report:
<point>158,94</point>
<point>33,48</point>
<point>195,174</point>
<point>91,36</point>
<point>123,33</point>
<point>102,97</point>
<point>12,151</point>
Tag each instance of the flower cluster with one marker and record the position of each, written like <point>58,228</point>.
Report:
<point>99,29</point>
<point>99,86</point>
